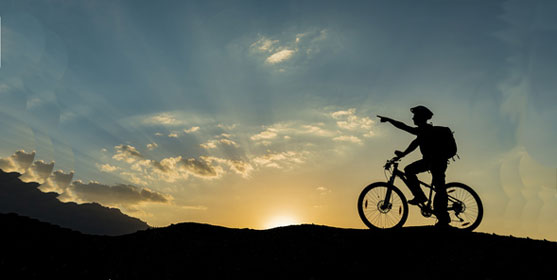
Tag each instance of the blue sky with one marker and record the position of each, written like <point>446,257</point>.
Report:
<point>239,101</point>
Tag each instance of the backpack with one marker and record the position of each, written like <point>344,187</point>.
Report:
<point>443,142</point>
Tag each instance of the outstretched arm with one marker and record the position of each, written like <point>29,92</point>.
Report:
<point>399,125</point>
<point>413,145</point>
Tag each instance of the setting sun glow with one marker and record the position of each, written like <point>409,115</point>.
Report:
<point>280,221</point>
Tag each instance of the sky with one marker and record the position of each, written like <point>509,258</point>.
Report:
<point>263,113</point>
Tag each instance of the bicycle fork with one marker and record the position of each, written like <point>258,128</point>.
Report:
<point>387,202</point>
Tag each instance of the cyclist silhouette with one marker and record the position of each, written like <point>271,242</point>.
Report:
<point>433,160</point>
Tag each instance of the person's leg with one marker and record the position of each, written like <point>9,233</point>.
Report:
<point>441,199</point>
<point>412,180</point>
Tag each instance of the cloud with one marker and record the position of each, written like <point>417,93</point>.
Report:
<point>192,129</point>
<point>227,127</point>
<point>317,130</point>
<point>162,118</point>
<point>20,161</point>
<point>287,130</point>
<point>200,168</point>
<point>278,51</point>
<point>25,199</point>
<point>326,128</point>
<point>152,146</point>
<point>280,56</point>
<point>333,126</point>
<point>7,165</point>
<point>280,160</point>
<point>142,170</point>
<point>171,169</point>
<point>252,146</point>
<point>134,178</point>
<point>323,190</point>
<point>264,44</point>
<point>178,120</point>
<point>127,153</point>
<point>107,168</point>
<point>212,144</point>
<point>348,138</point>
<point>167,169</point>
<point>269,133</point>
<point>228,142</point>
<point>194,207</point>
<point>119,195</point>
<point>240,167</point>
<point>57,182</point>
<point>343,113</point>
<point>62,180</point>
<point>348,120</point>
<point>38,172</point>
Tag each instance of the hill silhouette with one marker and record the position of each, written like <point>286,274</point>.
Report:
<point>34,249</point>
<point>27,200</point>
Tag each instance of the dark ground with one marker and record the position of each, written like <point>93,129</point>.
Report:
<point>35,250</point>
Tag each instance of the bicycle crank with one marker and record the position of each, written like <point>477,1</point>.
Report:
<point>426,211</point>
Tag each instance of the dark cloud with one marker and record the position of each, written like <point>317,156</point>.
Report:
<point>115,195</point>
<point>20,161</point>
<point>26,199</point>
<point>38,172</point>
<point>158,166</point>
<point>200,168</point>
<point>127,153</point>
<point>6,164</point>
<point>62,179</point>
<point>23,159</point>
<point>122,195</point>
<point>57,182</point>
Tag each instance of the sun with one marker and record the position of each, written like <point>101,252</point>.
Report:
<point>280,221</point>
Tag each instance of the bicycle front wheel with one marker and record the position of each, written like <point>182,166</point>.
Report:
<point>378,213</point>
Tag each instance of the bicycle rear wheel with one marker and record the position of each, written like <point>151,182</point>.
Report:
<point>465,207</point>
<point>378,213</point>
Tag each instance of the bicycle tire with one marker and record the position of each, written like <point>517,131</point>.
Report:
<point>471,209</point>
<point>372,211</point>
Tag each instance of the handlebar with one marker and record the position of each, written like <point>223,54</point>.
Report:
<point>391,162</point>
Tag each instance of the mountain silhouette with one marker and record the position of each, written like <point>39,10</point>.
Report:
<point>35,250</point>
<point>92,218</point>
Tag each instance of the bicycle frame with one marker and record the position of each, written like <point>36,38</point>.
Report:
<point>402,176</point>
<point>426,207</point>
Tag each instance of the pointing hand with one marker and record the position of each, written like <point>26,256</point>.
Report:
<point>382,119</point>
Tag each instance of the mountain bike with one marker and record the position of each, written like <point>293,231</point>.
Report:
<point>382,205</point>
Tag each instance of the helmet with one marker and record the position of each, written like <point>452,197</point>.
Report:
<point>422,111</point>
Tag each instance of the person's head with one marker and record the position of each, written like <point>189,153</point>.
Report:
<point>421,115</point>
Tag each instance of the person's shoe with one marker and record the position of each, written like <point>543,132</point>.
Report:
<point>416,201</point>
<point>443,221</point>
